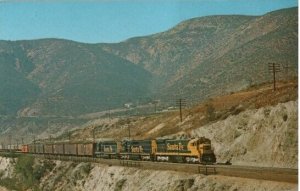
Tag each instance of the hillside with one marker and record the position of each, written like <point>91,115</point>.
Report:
<point>60,77</point>
<point>213,55</point>
<point>256,126</point>
<point>197,59</point>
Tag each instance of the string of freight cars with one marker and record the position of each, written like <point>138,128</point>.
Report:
<point>197,150</point>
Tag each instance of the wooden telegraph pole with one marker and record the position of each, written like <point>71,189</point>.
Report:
<point>274,68</point>
<point>94,138</point>
<point>9,140</point>
<point>180,103</point>
<point>129,133</point>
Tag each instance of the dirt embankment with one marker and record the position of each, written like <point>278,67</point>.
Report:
<point>86,176</point>
<point>6,170</point>
<point>260,137</point>
<point>121,178</point>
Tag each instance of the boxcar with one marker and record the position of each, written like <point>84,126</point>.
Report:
<point>39,148</point>
<point>70,149</point>
<point>85,149</point>
<point>48,148</point>
<point>12,147</point>
<point>58,149</point>
<point>24,149</point>
<point>31,148</point>
<point>19,147</point>
<point>9,147</point>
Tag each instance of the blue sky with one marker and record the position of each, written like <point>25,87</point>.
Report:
<point>95,21</point>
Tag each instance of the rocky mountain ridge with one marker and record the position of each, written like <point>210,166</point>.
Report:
<point>215,54</point>
<point>196,59</point>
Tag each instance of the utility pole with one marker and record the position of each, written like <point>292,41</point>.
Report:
<point>109,115</point>
<point>180,103</point>
<point>180,109</point>
<point>127,120</point>
<point>128,126</point>
<point>34,144</point>
<point>94,134</point>
<point>155,105</point>
<point>274,68</point>
<point>9,140</point>
<point>129,131</point>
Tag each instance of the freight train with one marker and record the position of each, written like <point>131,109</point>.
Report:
<point>197,150</point>
<point>6,148</point>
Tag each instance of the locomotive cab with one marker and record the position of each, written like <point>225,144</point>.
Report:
<point>206,153</point>
<point>205,148</point>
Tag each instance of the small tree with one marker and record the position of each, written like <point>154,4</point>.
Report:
<point>210,112</point>
<point>24,167</point>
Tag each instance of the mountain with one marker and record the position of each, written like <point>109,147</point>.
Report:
<point>196,59</point>
<point>63,77</point>
<point>206,56</point>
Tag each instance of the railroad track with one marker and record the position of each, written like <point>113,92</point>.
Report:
<point>261,173</point>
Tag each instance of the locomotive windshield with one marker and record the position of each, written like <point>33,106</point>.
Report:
<point>206,147</point>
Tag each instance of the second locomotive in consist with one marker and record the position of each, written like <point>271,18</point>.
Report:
<point>197,150</point>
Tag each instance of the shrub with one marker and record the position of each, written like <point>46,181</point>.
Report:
<point>11,183</point>
<point>24,167</point>
<point>30,174</point>
<point>210,112</point>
